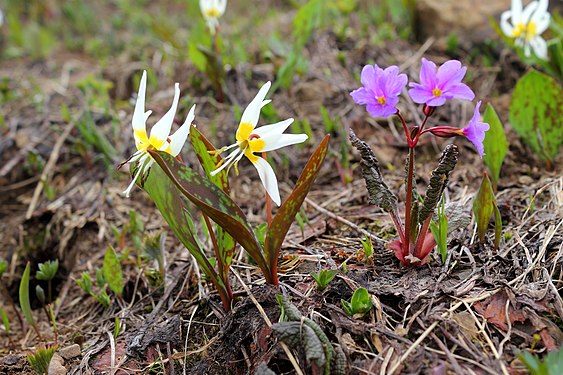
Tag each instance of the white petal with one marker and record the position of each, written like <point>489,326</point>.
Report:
<point>527,49</point>
<point>161,129</point>
<point>203,5</point>
<point>539,46</point>
<point>277,128</point>
<point>139,112</point>
<point>505,26</point>
<point>516,9</point>
<point>179,137</point>
<point>278,141</point>
<point>528,11</point>
<point>540,10</point>
<point>142,168</point>
<point>543,23</point>
<point>252,111</point>
<point>222,6</point>
<point>268,178</point>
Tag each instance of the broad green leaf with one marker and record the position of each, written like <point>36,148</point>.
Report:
<point>173,208</point>
<point>535,113</point>
<point>202,146</point>
<point>361,301</point>
<point>286,213</point>
<point>24,296</point>
<point>111,270</point>
<point>483,207</point>
<point>216,204</point>
<point>495,144</point>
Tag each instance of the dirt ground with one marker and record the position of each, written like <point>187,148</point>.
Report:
<point>61,198</point>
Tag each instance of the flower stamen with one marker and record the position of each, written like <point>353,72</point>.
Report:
<point>437,92</point>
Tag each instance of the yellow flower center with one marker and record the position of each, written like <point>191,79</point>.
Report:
<point>526,31</point>
<point>381,100</point>
<point>249,142</point>
<point>437,92</point>
<point>213,13</point>
<point>146,143</point>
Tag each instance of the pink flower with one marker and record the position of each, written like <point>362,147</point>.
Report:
<point>475,130</point>
<point>381,90</point>
<point>437,87</point>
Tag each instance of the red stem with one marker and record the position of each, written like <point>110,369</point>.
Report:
<point>421,237</point>
<point>408,204</point>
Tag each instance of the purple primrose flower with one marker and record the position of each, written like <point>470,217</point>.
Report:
<point>381,90</point>
<point>437,87</point>
<point>475,130</point>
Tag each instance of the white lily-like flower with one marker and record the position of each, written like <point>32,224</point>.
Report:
<point>265,138</point>
<point>212,10</point>
<point>526,26</point>
<point>159,138</point>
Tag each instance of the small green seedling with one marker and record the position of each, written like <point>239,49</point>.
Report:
<point>117,327</point>
<point>323,278</point>
<point>439,230</point>
<point>25,304</point>
<point>47,272</point>
<point>551,365</point>
<point>5,321</point>
<point>359,305</point>
<point>40,360</point>
<point>367,245</point>
<point>85,283</point>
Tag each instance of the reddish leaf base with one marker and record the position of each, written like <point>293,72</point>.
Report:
<point>412,259</point>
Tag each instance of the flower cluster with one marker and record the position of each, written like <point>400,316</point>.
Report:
<point>381,90</point>
<point>526,26</point>
<point>248,139</point>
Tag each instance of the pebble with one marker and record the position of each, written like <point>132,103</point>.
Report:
<point>56,366</point>
<point>71,351</point>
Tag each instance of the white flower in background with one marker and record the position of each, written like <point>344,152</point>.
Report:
<point>212,10</point>
<point>1,18</point>
<point>526,26</point>
<point>265,138</point>
<point>159,138</point>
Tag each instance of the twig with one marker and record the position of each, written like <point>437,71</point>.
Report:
<point>45,175</point>
<point>112,357</point>
<point>342,220</point>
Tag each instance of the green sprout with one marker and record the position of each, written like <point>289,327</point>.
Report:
<point>47,272</point>
<point>359,305</point>
<point>440,231</point>
<point>323,278</point>
<point>40,360</point>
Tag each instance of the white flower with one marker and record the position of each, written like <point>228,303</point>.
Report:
<point>212,10</point>
<point>264,139</point>
<point>527,25</point>
<point>159,138</point>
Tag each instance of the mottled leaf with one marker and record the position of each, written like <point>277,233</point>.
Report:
<point>495,144</point>
<point>483,207</point>
<point>225,242</point>
<point>111,270</point>
<point>438,182</point>
<point>216,204</point>
<point>286,213</point>
<point>379,193</point>
<point>173,208</point>
<point>535,113</point>
<point>296,334</point>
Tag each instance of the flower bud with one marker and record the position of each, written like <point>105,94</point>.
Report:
<point>428,111</point>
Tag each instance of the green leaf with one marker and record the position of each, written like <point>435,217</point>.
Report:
<point>40,360</point>
<point>174,209</point>
<point>47,270</point>
<point>495,144</point>
<point>24,295</point>
<point>112,271</point>
<point>498,223</point>
<point>483,207</point>
<point>3,267</point>
<point>286,213</point>
<point>85,283</point>
<point>202,146</point>
<point>323,277</point>
<point>5,321</point>
<point>216,204</point>
<point>361,301</point>
<point>535,113</point>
